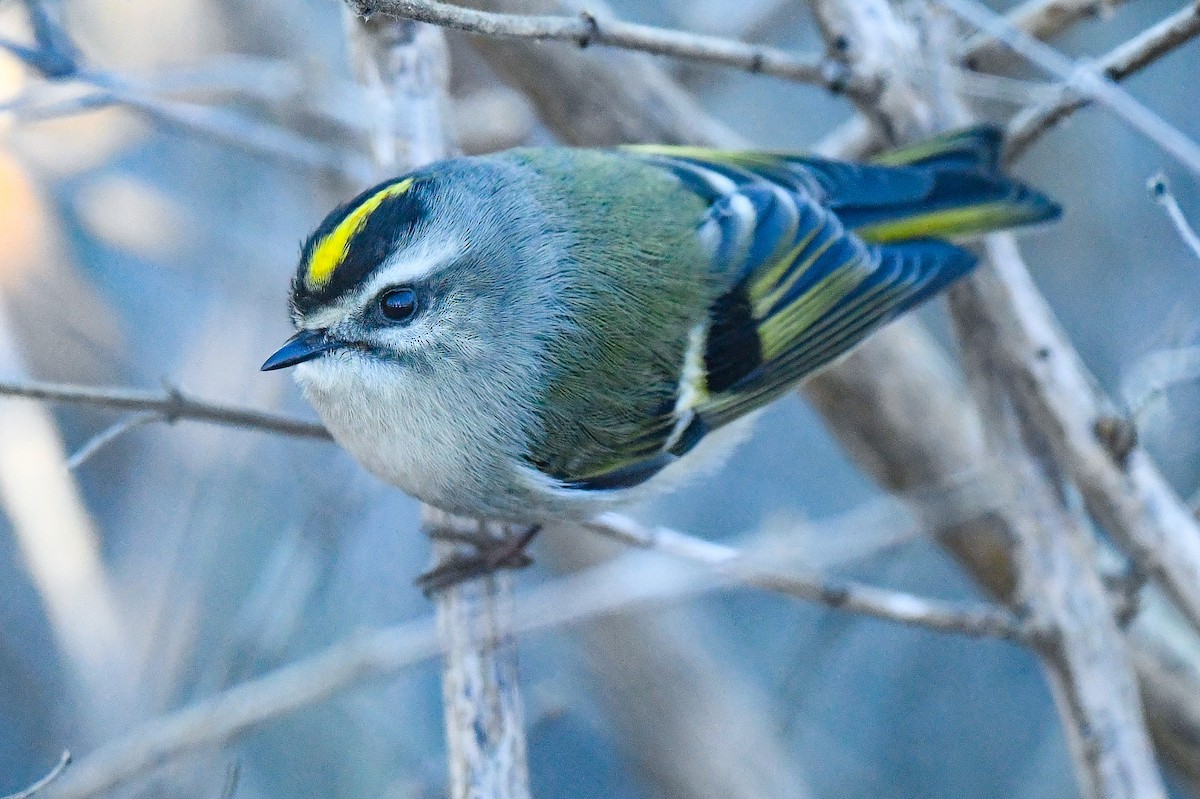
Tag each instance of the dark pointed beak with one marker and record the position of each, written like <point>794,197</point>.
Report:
<point>304,346</point>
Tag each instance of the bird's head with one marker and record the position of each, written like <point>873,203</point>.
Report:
<point>417,272</point>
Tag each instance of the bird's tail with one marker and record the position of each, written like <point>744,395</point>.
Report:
<point>969,194</point>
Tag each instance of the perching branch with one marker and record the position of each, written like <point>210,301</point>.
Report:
<point>403,68</point>
<point>587,29</point>
<point>1117,64</point>
<point>868,600</point>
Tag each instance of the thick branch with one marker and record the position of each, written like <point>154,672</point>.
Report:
<point>1082,651</point>
<point>1121,488</point>
<point>587,29</point>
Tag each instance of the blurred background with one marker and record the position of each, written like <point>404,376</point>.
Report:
<point>149,223</point>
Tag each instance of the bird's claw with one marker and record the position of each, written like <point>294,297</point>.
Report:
<point>491,554</point>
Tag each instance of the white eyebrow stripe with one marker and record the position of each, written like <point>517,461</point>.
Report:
<point>414,263</point>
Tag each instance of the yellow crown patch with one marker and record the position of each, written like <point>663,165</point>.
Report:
<point>331,250</point>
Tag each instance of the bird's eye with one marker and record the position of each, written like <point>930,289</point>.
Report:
<point>398,305</point>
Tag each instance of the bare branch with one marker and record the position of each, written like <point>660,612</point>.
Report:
<point>41,784</point>
<point>55,55</point>
<point>587,29</point>
<point>56,58</point>
<point>233,776</point>
<point>217,124</point>
<point>170,404</point>
<point>1155,373</point>
<point>853,597</point>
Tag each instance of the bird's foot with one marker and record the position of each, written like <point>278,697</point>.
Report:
<point>491,554</point>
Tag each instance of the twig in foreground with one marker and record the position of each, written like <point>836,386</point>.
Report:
<point>587,29</point>
<point>1161,192</point>
<point>170,404</point>
<point>1086,78</point>
<point>63,762</point>
<point>1117,64</point>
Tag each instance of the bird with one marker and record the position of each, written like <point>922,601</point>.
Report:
<point>546,333</point>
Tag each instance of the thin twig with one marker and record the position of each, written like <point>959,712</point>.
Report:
<point>37,787</point>
<point>110,434</point>
<point>1153,374</point>
<point>1085,78</point>
<point>587,29</point>
<point>233,777</point>
<point>848,595</point>
<point>1161,192</point>
<point>170,404</point>
<point>1041,19</point>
